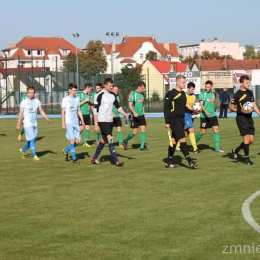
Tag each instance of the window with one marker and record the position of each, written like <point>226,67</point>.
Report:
<point>215,48</point>
<point>65,52</point>
<point>29,52</point>
<point>37,63</point>
<point>39,52</point>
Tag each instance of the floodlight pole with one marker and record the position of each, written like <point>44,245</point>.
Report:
<point>76,35</point>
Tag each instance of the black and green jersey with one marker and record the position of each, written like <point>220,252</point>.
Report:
<point>138,102</point>
<point>208,99</point>
<point>114,110</point>
<point>85,107</point>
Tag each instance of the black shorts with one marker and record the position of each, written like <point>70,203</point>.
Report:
<point>106,128</point>
<point>177,127</point>
<point>86,119</point>
<point>117,121</point>
<point>245,125</point>
<point>208,122</point>
<point>138,121</point>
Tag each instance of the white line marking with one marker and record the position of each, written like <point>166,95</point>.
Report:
<point>247,214</point>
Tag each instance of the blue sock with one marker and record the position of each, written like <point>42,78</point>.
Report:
<point>98,150</point>
<point>67,149</point>
<point>26,147</point>
<point>73,152</point>
<point>32,147</point>
<point>113,152</point>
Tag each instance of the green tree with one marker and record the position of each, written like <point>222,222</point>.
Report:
<point>189,59</point>
<point>151,55</point>
<point>155,97</point>
<point>91,61</point>
<point>249,52</point>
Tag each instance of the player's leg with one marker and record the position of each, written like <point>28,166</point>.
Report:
<point>134,126</point>
<point>171,151</point>
<point>118,125</point>
<point>215,126</point>
<point>21,134</point>
<point>31,134</point>
<point>142,125</point>
<point>203,129</point>
<point>191,132</point>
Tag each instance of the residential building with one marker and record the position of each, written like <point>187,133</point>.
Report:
<point>132,50</point>
<point>37,52</point>
<point>186,50</point>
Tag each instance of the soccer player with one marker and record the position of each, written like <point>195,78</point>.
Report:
<point>22,129</point>
<point>136,106</point>
<point>208,118</point>
<point>117,120</point>
<point>174,112</point>
<point>70,111</point>
<point>188,120</point>
<point>28,110</point>
<point>103,119</point>
<point>85,102</point>
<point>245,122</point>
<point>98,88</point>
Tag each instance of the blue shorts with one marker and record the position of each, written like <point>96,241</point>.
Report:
<point>188,121</point>
<point>31,132</point>
<point>73,132</point>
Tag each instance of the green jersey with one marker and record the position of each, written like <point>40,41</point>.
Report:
<point>138,102</point>
<point>85,107</point>
<point>208,99</point>
<point>114,110</point>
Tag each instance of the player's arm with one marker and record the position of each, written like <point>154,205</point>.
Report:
<point>63,126</point>
<point>232,107</point>
<point>44,115</point>
<point>120,109</point>
<point>167,110</point>
<point>203,108</point>
<point>97,102</point>
<point>131,108</point>
<point>19,120</point>
<point>80,116</point>
<point>256,108</point>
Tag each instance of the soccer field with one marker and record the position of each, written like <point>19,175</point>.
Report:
<point>53,209</point>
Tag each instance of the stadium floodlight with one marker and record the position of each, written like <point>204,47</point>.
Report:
<point>76,35</point>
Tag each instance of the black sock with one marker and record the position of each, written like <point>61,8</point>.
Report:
<point>185,151</point>
<point>240,147</point>
<point>171,151</point>
<point>246,150</point>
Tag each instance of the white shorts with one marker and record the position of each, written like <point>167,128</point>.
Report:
<point>73,132</point>
<point>31,132</point>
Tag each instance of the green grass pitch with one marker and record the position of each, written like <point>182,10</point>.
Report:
<point>52,209</point>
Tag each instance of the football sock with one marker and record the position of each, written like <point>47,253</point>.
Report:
<point>22,131</point>
<point>178,144</point>
<point>98,150</point>
<point>96,137</point>
<point>113,152</point>
<point>143,139</point>
<point>130,136</point>
<point>73,151</point>
<point>26,147</point>
<point>99,135</point>
<point>193,141</point>
<point>185,151</point>
<point>171,151</point>
<point>240,147</point>
<point>32,147</point>
<point>120,138</point>
<point>198,137</point>
<point>246,150</point>
<point>67,149</point>
<point>86,136</point>
<point>216,140</point>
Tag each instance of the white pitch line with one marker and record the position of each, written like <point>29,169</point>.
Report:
<point>247,214</point>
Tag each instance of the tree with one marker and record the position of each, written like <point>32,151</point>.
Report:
<point>151,55</point>
<point>250,52</point>
<point>189,59</point>
<point>91,62</point>
<point>155,97</point>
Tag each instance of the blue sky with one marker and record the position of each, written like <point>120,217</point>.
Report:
<point>185,22</point>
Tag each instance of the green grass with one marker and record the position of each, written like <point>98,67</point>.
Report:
<point>52,209</point>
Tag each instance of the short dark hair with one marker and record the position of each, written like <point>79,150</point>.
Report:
<point>31,88</point>
<point>191,85</point>
<point>209,82</point>
<point>73,85</point>
<point>99,85</point>
<point>87,85</point>
<point>108,80</point>
<point>244,77</point>
<point>141,83</point>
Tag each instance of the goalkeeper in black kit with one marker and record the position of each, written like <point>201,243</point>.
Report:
<point>174,111</point>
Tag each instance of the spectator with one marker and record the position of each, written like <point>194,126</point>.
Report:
<point>224,98</point>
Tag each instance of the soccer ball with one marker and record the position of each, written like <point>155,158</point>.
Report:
<point>248,106</point>
<point>196,106</point>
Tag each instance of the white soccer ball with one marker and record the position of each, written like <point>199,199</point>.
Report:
<point>196,106</point>
<point>248,106</point>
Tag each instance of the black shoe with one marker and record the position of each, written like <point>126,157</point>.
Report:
<point>118,163</point>
<point>76,161</point>
<point>197,151</point>
<point>144,149</point>
<point>124,144</point>
<point>66,155</point>
<point>170,165</point>
<point>249,162</point>
<point>193,164</point>
<point>235,155</point>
